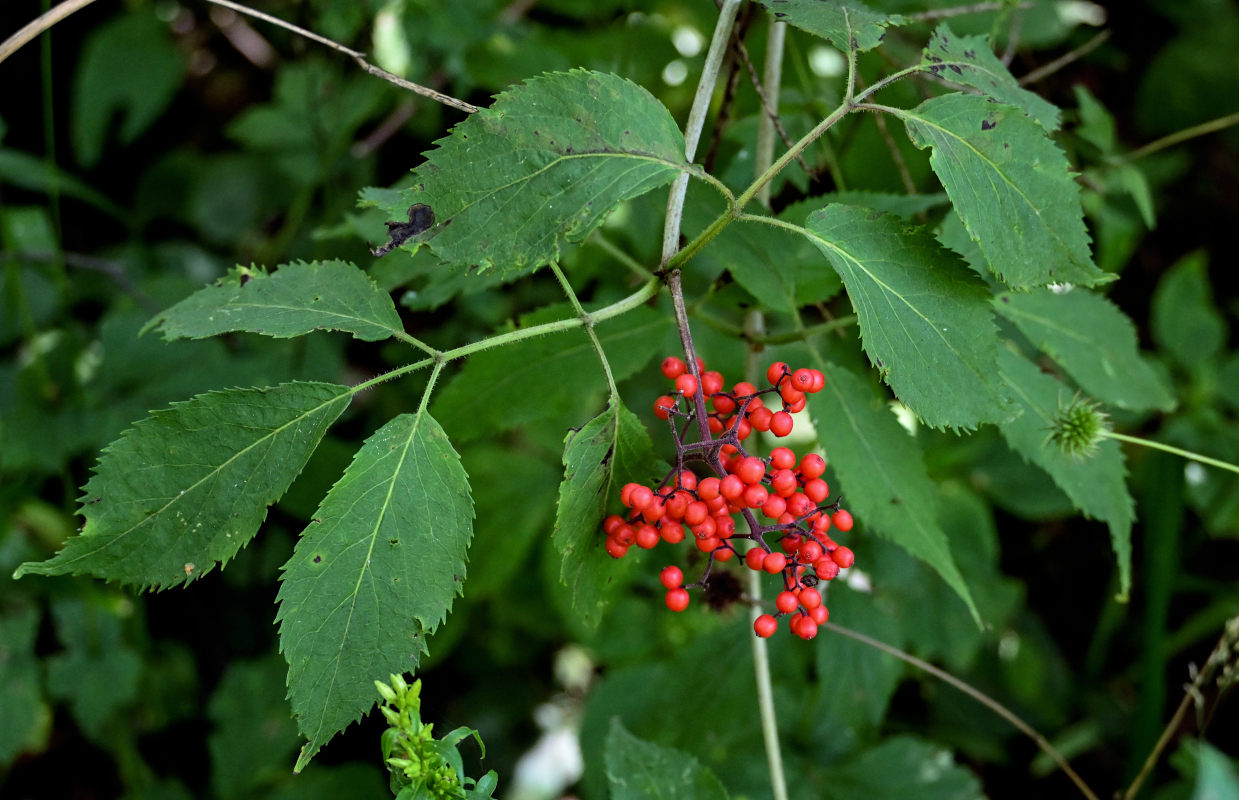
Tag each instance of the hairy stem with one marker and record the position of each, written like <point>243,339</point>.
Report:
<point>696,121</point>
<point>588,322</point>
<point>1167,448</point>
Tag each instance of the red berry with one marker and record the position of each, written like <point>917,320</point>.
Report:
<point>791,542</point>
<point>724,526</point>
<point>774,507</point>
<point>819,615</point>
<point>790,394</point>
<point>696,513</point>
<point>796,407</point>
<point>711,382</point>
<point>663,407</point>
<point>625,535</point>
<point>704,529</point>
<point>809,598</point>
<point>786,602</point>
<point>751,469</point>
<point>723,404</point>
<point>802,379</point>
<point>731,487</point>
<point>677,599</point>
<point>782,458</point>
<point>783,483</point>
<point>816,490</point>
<point>760,418</point>
<point>774,562</point>
<point>655,510</point>
<point>687,480</point>
<point>615,549</point>
<point>626,493</point>
<point>708,488</point>
<point>756,557</point>
<point>809,552</point>
<point>723,553</point>
<point>776,372</point>
<point>812,466</point>
<point>640,497</point>
<point>647,537</point>
<point>610,524</point>
<point>686,385</point>
<point>807,628</point>
<point>716,425</point>
<point>677,504</point>
<point>672,532</point>
<point>798,505</point>
<point>765,626</point>
<point>708,544</point>
<point>842,520</point>
<point>671,577</point>
<point>843,556</point>
<point>781,424</point>
<point>673,367</point>
<point>755,496</point>
<point>819,381</point>
<point>744,389</point>
<point>826,569</point>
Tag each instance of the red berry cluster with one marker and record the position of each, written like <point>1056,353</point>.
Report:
<point>780,487</point>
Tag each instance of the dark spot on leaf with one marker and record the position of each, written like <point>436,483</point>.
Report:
<point>970,54</point>
<point>988,124</point>
<point>421,219</point>
<point>393,541</point>
<point>780,14</point>
<point>318,559</point>
<point>955,68</point>
<point>895,501</point>
<point>1005,299</point>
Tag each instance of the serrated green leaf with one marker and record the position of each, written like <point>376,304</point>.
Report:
<point>924,317</point>
<point>1011,186</point>
<point>901,205</point>
<point>883,474</point>
<point>187,487</point>
<point>548,376</point>
<point>128,66</point>
<point>1093,340</point>
<point>608,451</point>
<point>1184,320</point>
<point>297,299</point>
<point>846,24</point>
<point>1097,485</point>
<point>640,770</point>
<point>903,767</point>
<point>22,708</point>
<point>546,162</point>
<point>253,732</point>
<point>968,61</point>
<point>373,574</point>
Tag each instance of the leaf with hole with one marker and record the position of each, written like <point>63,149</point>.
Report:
<point>373,574</point>
<point>544,164</point>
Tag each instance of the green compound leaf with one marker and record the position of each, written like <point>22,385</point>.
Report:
<point>1097,485</point>
<point>968,61</point>
<point>501,388</point>
<point>373,574</point>
<point>641,770</point>
<point>187,487</point>
<point>608,451</point>
<point>1011,186</point>
<point>297,299</point>
<point>546,162</point>
<point>883,474</point>
<point>846,24</point>
<point>924,317</point>
<point>1093,340</point>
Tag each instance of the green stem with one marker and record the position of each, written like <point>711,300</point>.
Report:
<point>638,298</point>
<point>975,694</point>
<point>696,121</point>
<point>430,385</point>
<point>588,322</point>
<point>1167,448</point>
<point>1177,137</point>
<point>620,255</point>
<point>765,694</point>
<point>772,75</point>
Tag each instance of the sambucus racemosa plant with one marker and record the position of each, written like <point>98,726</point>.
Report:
<point>377,568</point>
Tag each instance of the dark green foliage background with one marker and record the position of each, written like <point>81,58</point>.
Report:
<point>178,159</point>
